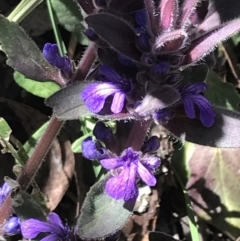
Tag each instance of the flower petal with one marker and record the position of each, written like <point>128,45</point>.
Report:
<point>102,132</point>
<point>188,107</point>
<point>151,162</point>
<point>117,102</point>
<point>207,115</point>
<point>91,151</point>
<point>151,145</point>
<point>12,226</point>
<point>196,87</point>
<point>124,185</point>
<point>55,219</point>
<point>51,237</point>
<point>51,53</point>
<point>94,95</point>
<point>109,73</point>
<point>146,175</point>
<point>32,227</point>
<point>4,191</point>
<point>112,163</point>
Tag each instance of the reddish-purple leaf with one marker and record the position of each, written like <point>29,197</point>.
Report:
<point>115,31</point>
<point>189,8</point>
<point>151,17</point>
<point>67,103</point>
<point>169,11</point>
<point>170,41</point>
<point>223,133</point>
<point>23,54</point>
<point>206,43</point>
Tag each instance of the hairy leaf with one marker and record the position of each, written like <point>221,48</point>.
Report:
<point>221,93</point>
<point>223,133</point>
<point>101,215</point>
<point>67,103</point>
<point>196,73</point>
<point>40,89</point>
<point>189,7</point>
<point>168,14</point>
<point>116,32</point>
<point>23,55</point>
<point>170,41</point>
<point>206,43</point>
<point>152,17</point>
<point>69,15</point>
<point>213,185</point>
<point>25,206</point>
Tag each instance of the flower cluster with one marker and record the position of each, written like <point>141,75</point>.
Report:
<point>127,168</point>
<point>161,47</point>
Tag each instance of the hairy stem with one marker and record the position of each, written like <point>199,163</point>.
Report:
<point>86,62</point>
<point>42,147</point>
<point>138,134</point>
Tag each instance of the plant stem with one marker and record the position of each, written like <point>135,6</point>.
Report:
<point>40,151</point>
<point>138,134</point>
<point>23,9</point>
<point>44,144</point>
<point>86,62</point>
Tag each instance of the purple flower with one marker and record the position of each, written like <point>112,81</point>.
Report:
<point>141,18</point>
<point>54,227</point>
<point>151,145</point>
<point>93,150</point>
<point>191,97</point>
<point>51,53</point>
<point>163,115</point>
<point>130,166</point>
<point>161,68</point>
<point>12,226</point>
<point>102,132</point>
<point>95,94</point>
<point>4,191</point>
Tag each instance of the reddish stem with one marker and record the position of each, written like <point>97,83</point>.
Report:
<point>138,134</point>
<point>44,144</point>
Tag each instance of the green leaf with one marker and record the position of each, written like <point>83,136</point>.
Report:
<point>101,215</point>
<point>76,146</point>
<point>29,146</point>
<point>69,15</point>
<point>5,132</point>
<point>194,74</point>
<point>214,185</point>
<point>25,206</point>
<point>221,93</point>
<point>41,89</point>
<point>236,39</point>
<point>24,56</point>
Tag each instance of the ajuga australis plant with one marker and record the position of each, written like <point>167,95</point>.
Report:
<point>143,50</point>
